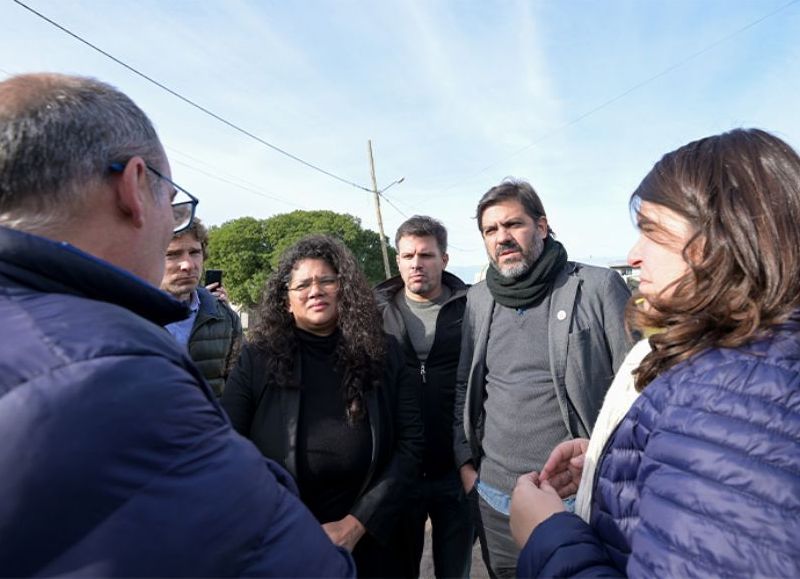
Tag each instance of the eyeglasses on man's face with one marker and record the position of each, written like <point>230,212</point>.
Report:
<point>326,283</point>
<point>183,203</point>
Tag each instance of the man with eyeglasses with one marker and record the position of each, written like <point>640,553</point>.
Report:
<point>212,332</point>
<point>116,459</point>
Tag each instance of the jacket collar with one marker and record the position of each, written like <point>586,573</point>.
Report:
<point>58,267</point>
<point>208,304</point>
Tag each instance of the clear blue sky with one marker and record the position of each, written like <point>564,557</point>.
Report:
<point>455,95</point>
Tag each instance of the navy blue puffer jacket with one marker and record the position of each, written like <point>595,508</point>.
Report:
<point>115,458</point>
<point>701,478</point>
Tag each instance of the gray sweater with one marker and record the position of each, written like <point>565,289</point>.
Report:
<point>586,343</point>
<point>523,419</point>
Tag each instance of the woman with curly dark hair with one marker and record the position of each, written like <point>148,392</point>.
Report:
<point>320,389</point>
<point>702,475</point>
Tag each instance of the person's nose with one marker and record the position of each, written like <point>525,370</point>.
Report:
<point>315,289</point>
<point>503,235</point>
<point>635,254</point>
<point>185,265</point>
<point>415,263</point>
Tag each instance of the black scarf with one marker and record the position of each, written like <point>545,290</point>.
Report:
<point>531,288</point>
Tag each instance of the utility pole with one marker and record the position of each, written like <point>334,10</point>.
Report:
<point>378,211</point>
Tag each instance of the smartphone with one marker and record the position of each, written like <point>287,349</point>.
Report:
<point>213,276</point>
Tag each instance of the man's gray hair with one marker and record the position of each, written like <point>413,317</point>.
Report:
<point>58,136</point>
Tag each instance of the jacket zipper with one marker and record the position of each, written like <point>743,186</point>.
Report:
<point>422,372</point>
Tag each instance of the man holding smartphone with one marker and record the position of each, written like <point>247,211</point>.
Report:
<point>213,331</point>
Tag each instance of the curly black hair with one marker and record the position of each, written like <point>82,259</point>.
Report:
<point>361,348</point>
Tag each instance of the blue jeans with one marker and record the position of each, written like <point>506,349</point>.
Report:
<point>501,502</point>
<point>442,499</point>
<point>493,497</point>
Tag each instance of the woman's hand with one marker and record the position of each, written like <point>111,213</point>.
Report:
<point>345,532</point>
<point>532,502</point>
<point>564,467</point>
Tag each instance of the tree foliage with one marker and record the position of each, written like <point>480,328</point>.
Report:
<point>241,248</point>
<point>248,249</point>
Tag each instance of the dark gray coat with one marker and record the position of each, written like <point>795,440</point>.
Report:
<point>587,345</point>
<point>437,382</point>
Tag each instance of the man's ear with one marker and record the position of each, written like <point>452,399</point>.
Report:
<point>445,259</point>
<point>130,189</point>
<point>541,225</point>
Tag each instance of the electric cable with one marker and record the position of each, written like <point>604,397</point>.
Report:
<point>395,207</point>
<point>237,185</point>
<point>192,103</point>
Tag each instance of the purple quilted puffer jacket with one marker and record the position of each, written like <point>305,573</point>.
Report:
<point>701,478</point>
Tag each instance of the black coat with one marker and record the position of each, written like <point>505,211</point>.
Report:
<point>436,379</point>
<point>215,339</point>
<point>268,416</point>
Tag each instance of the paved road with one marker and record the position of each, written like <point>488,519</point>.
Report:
<point>426,565</point>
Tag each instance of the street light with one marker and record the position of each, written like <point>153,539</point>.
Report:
<point>400,180</point>
<point>377,193</point>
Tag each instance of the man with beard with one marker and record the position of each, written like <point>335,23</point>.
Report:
<point>542,339</point>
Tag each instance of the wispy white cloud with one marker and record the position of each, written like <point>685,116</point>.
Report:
<point>444,89</point>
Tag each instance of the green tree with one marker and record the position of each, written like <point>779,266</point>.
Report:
<point>248,249</point>
<point>241,248</point>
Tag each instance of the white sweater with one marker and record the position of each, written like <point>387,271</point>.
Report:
<point>619,398</point>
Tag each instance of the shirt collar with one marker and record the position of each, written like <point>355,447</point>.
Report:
<point>194,301</point>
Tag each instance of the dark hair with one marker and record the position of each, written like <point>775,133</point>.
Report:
<point>423,226</point>
<point>516,190</point>
<point>740,193</point>
<point>361,348</point>
<point>197,230</point>
<point>60,133</point>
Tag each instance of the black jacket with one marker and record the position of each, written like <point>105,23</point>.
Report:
<point>436,378</point>
<point>215,339</point>
<point>268,416</point>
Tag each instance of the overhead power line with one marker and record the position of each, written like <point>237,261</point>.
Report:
<point>626,92</point>
<point>244,185</point>
<point>193,103</point>
<point>252,190</point>
<point>395,207</point>
<point>225,177</point>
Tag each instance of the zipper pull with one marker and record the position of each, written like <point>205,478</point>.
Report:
<point>422,372</point>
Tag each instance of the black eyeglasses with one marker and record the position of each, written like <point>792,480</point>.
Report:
<point>183,203</point>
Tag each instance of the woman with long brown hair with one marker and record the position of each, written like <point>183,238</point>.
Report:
<point>320,389</point>
<point>702,475</point>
